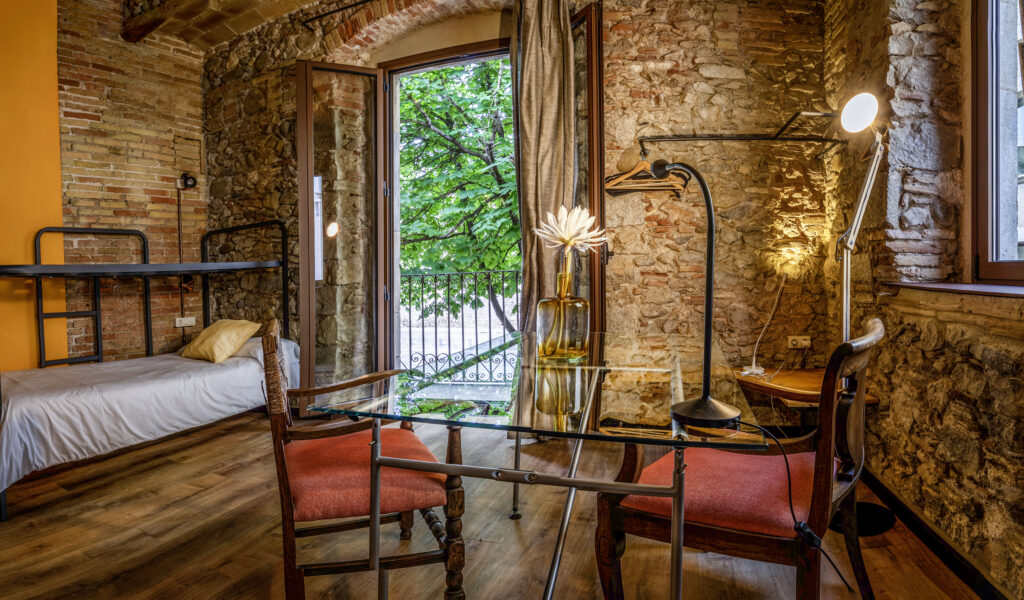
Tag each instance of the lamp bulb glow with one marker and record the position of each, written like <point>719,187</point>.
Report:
<point>332,229</point>
<point>859,112</point>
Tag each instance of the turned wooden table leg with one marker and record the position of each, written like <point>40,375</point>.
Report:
<point>455,547</point>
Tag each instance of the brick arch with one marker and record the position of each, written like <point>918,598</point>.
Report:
<point>383,20</point>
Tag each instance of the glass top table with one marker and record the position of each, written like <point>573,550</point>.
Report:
<point>621,391</point>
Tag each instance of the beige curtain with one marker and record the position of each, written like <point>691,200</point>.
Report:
<point>542,64</point>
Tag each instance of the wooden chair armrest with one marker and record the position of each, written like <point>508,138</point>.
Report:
<point>804,443</point>
<point>632,463</point>
<point>333,429</point>
<point>629,472</point>
<point>343,385</point>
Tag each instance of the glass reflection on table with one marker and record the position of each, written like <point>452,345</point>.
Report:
<point>621,391</point>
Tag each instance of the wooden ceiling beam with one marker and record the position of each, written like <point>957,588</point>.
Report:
<point>138,27</point>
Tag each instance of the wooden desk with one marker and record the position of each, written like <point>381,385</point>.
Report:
<point>795,388</point>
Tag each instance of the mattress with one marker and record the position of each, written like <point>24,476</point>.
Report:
<point>59,415</point>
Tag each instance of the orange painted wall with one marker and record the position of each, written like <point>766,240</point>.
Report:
<point>30,186</point>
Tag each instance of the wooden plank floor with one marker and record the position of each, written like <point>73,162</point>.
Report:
<point>196,516</point>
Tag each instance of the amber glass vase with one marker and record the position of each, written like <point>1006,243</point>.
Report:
<point>563,322</point>
<point>554,389</point>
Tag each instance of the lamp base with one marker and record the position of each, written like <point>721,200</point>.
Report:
<point>706,412</point>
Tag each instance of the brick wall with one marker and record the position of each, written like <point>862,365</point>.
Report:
<point>131,121</point>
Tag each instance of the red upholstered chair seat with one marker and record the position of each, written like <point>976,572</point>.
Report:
<point>330,478</point>
<point>745,492</point>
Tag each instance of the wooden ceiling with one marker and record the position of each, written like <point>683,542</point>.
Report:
<point>206,23</point>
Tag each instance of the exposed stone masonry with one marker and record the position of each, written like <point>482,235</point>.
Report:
<point>713,67</point>
<point>252,166</point>
<point>134,8</point>
<point>947,435</point>
<point>252,160</point>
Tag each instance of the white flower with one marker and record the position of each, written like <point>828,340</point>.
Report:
<point>571,229</point>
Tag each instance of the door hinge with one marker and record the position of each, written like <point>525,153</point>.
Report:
<point>387,87</point>
<point>387,190</point>
<point>387,294</point>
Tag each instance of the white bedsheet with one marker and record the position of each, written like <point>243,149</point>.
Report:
<point>63,414</point>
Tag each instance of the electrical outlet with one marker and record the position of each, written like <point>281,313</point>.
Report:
<point>799,341</point>
<point>184,321</point>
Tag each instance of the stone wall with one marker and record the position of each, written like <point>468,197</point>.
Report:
<point>130,122</point>
<point>947,435</point>
<point>250,120</point>
<point>134,8</point>
<point>252,170</point>
<point>252,159</point>
<point>714,67</point>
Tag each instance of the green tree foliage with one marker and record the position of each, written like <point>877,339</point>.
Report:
<point>459,208</point>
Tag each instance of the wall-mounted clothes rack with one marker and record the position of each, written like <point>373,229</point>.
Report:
<point>144,270</point>
<point>317,17</point>
<point>779,136</point>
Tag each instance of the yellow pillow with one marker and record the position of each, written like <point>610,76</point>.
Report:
<point>220,340</point>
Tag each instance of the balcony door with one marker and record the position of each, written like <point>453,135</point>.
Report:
<point>343,296</point>
<point>456,239</point>
<point>385,284</point>
<point>588,68</point>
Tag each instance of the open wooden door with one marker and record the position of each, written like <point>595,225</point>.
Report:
<point>589,61</point>
<point>343,227</point>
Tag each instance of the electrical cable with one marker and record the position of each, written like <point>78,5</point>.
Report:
<point>753,369</point>
<point>181,259</point>
<point>801,527</point>
<point>800,361</point>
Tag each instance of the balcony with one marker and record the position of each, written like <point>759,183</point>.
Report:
<point>447,319</point>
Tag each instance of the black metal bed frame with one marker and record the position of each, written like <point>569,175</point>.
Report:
<point>96,312</point>
<point>37,271</point>
<point>205,257</point>
<point>144,270</point>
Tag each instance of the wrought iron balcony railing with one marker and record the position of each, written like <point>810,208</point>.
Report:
<point>449,318</point>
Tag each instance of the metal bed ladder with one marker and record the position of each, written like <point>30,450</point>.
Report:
<point>96,312</point>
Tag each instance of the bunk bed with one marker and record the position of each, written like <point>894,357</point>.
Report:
<point>90,407</point>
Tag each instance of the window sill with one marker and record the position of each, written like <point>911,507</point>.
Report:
<point>977,289</point>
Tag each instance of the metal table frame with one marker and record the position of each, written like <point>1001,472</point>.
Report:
<point>517,476</point>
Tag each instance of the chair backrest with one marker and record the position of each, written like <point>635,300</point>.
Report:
<point>840,433</point>
<point>279,412</point>
<point>273,374</point>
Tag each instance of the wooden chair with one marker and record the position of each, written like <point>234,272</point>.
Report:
<point>736,503</point>
<point>323,472</point>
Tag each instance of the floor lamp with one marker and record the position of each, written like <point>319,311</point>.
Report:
<point>858,114</point>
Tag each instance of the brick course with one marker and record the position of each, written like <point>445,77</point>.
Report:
<point>130,122</point>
